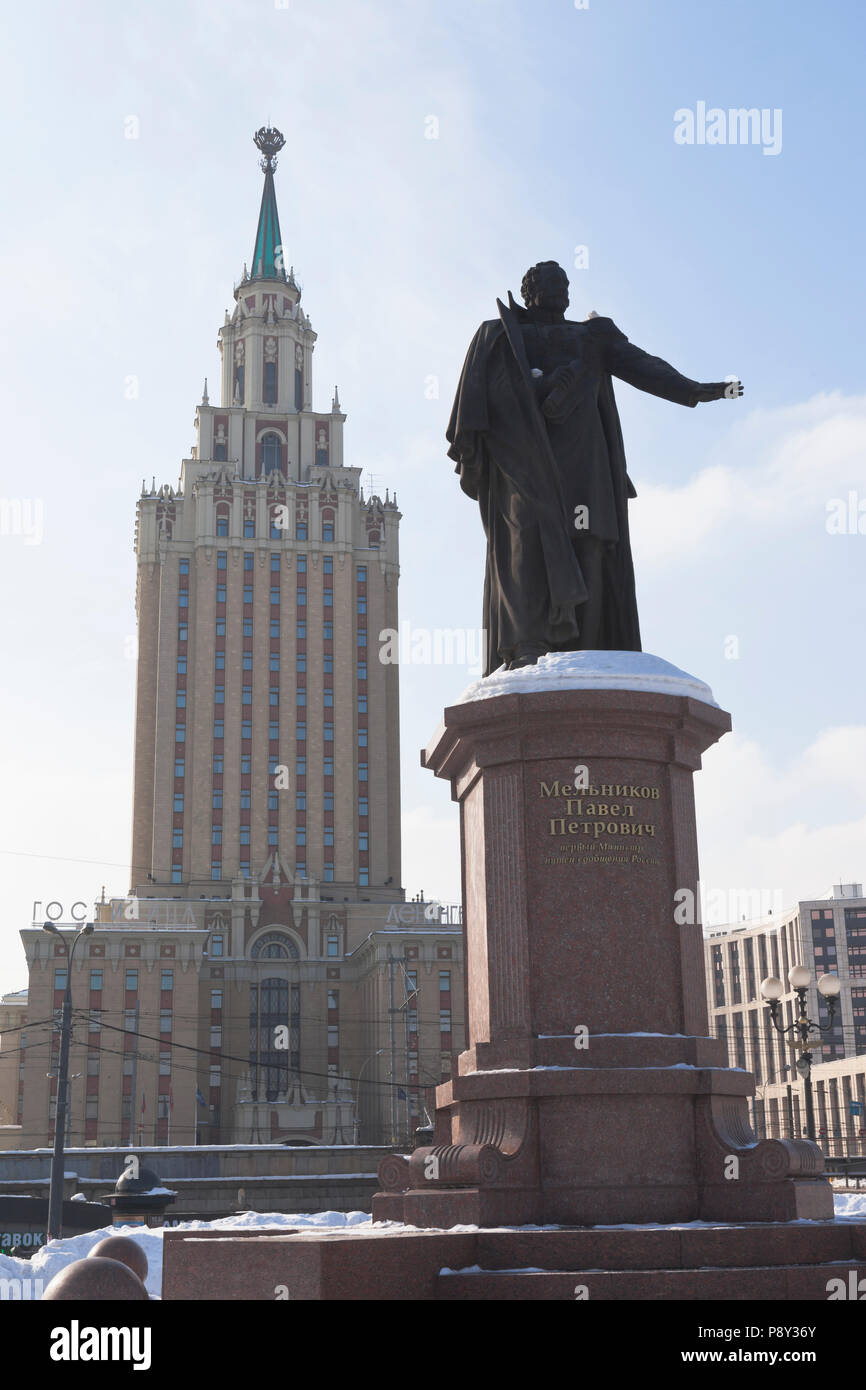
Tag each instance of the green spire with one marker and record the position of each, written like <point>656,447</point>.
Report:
<point>268,252</point>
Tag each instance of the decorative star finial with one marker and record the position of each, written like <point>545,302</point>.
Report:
<point>270,141</point>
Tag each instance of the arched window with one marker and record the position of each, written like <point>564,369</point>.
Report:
<point>274,945</point>
<point>274,1004</point>
<point>272,454</point>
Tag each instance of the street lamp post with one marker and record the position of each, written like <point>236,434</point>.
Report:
<point>365,1063</point>
<point>801,1030</point>
<point>55,1191</point>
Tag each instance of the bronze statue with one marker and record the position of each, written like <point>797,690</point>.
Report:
<point>536,437</point>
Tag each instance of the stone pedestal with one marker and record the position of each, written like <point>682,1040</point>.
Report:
<point>590,1092</point>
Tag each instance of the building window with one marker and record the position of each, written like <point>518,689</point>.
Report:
<point>275,627</point>
<point>131,980</point>
<point>218,763</point>
<point>178,801</point>
<point>166,979</point>
<point>272,454</point>
<point>329,699</point>
<point>249,529</point>
<point>328,732</point>
<point>362,772</point>
<point>183,599</point>
<point>246,763</point>
<point>216,945</point>
<point>165,1020</point>
<point>333,945</point>
<point>216,870</point>
<point>363,841</point>
<point>363,806</point>
<point>248,559</point>
<point>180,699</point>
<point>301,531</point>
<point>183,566</point>
<point>180,733</point>
<point>302,631</point>
<point>362,670</point>
<point>217,800</point>
<point>302,598</point>
<point>248,593</point>
<point>329,834</point>
<point>216,835</point>
<point>93,1064</point>
<point>248,627</point>
<point>328,873</point>
<point>219,694</point>
<point>362,637</point>
<point>333,1035</point>
<point>222,526</point>
<point>176,873</point>
<point>181,666</point>
<point>364,877</point>
<point>274,661</point>
<point>96,979</point>
<point>362,738</point>
<point>246,695</point>
<point>216,998</point>
<point>221,593</point>
<point>177,839</point>
<point>444,1020</point>
<point>444,981</point>
<point>327,530</point>
<point>216,1035</point>
<point>362,704</point>
<point>222,559</point>
<point>270,391</point>
<point>300,835</point>
<point>244,835</point>
<point>219,661</point>
<point>362,574</point>
<point>328,632</point>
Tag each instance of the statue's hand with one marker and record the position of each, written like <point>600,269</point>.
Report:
<point>720,390</point>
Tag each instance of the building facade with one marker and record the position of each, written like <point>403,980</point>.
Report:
<point>826,935</point>
<point>264,979</point>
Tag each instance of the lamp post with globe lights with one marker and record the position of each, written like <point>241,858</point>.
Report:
<point>801,1030</point>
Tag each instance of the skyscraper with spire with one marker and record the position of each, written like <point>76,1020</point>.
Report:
<point>267,732</point>
<point>265,959</point>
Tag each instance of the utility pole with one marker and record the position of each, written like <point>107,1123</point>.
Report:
<point>55,1191</point>
<point>134,1074</point>
<point>391,1012</point>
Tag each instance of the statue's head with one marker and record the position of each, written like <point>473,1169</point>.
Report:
<point>545,286</point>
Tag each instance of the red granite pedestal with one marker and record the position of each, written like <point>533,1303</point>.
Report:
<point>590,1092</point>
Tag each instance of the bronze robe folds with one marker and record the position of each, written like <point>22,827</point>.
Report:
<point>533,585</point>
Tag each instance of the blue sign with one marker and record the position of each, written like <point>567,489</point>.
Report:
<point>855,1107</point>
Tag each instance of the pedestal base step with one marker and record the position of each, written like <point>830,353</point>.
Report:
<point>393,1263</point>
<point>776,1283</point>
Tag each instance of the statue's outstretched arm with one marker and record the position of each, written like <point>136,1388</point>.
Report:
<point>622,359</point>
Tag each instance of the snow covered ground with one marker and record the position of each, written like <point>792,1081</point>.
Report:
<point>57,1253</point>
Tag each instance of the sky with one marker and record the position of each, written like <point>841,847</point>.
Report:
<point>433,153</point>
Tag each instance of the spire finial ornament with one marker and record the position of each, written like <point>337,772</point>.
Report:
<point>270,141</point>
<point>335,403</point>
<point>204,395</point>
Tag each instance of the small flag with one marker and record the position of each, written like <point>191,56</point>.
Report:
<point>200,1098</point>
